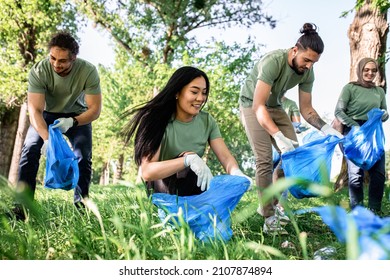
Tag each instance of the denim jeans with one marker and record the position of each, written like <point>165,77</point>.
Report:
<point>375,188</point>
<point>376,185</point>
<point>80,138</point>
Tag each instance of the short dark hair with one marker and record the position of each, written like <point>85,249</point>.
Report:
<point>310,38</point>
<point>64,40</point>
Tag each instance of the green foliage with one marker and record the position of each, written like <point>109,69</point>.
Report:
<point>121,223</point>
<point>382,6</point>
<point>156,31</point>
<point>25,28</point>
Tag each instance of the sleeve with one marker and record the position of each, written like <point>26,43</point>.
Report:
<point>92,85</point>
<point>214,129</point>
<point>295,110</point>
<point>35,82</point>
<point>269,70</point>
<point>383,102</point>
<point>307,85</point>
<point>341,107</point>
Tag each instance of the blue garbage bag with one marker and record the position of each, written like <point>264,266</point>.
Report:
<point>207,214</point>
<point>310,162</point>
<point>62,170</point>
<point>365,145</point>
<point>275,157</point>
<point>373,231</point>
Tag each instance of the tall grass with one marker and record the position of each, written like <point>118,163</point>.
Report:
<point>121,223</point>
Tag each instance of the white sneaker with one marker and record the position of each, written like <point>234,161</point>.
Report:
<point>272,225</point>
<point>281,215</point>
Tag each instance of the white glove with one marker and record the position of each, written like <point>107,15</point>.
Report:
<point>200,169</point>
<point>284,144</point>
<point>385,115</point>
<point>328,130</point>
<point>44,147</point>
<point>64,124</point>
<point>238,172</point>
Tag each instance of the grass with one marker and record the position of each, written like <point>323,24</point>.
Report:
<point>123,225</point>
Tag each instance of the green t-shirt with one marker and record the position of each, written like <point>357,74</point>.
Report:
<point>188,136</point>
<point>64,94</point>
<point>274,70</point>
<point>291,108</point>
<point>356,101</point>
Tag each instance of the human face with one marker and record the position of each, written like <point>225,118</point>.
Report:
<point>191,99</point>
<point>61,60</point>
<point>369,72</point>
<point>303,60</point>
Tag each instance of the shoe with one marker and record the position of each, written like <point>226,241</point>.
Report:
<point>281,215</point>
<point>272,226</point>
<point>18,213</point>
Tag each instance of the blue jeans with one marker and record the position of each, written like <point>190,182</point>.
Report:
<point>80,138</point>
<point>375,188</point>
<point>355,182</point>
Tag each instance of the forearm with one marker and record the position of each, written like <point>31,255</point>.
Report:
<point>265,120</point>
<point>161,169</point>
<point>88,116</point>
<point>37,121</point>
<point>312,117</point>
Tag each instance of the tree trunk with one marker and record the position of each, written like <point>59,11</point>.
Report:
<point>118,170</point>
<point>23,125</point>
<point>105,176</point>
<point>367,38</point>
<point>8,126</point>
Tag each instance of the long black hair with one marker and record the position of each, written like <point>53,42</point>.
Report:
<point>151,119</point>
<point>310,39</point>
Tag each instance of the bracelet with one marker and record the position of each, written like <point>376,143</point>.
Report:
<point>75,122</point>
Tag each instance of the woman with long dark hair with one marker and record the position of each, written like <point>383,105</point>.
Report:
<point>171,134</point>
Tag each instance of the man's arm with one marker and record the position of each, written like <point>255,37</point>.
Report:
<point>260,97</point>
<point>308,112</point>
<point>36,105</point>
<point>94,104</point>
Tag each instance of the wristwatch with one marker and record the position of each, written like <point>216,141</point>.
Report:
<point>75,122</point>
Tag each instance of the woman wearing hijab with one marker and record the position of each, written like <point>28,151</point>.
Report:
<point>355,101</point>
<point>171,134</point>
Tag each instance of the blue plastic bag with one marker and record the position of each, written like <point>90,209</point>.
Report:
<point>365,145</point>
<point>373,231</point>
<point>207,214</point>
<point>62,170</point>
<point>310,162</point>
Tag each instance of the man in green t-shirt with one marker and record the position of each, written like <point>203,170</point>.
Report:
<point>264,119</point>
<point>65,88</point>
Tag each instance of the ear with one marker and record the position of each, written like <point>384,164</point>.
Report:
<point>295,50</point>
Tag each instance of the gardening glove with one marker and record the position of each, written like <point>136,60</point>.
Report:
<point>385,115</point>
<point>44,147</point>
<point>328,130</point>
<point>238,172</point>
<point>64,124</point>
<point>284,144</point>
<point>200,169</point>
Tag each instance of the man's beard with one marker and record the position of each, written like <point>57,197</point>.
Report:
<point>295,67</point>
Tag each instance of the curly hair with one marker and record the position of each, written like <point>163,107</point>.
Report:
<point>64,40</point>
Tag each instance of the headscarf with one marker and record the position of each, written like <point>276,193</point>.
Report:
<point>359,72</point>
